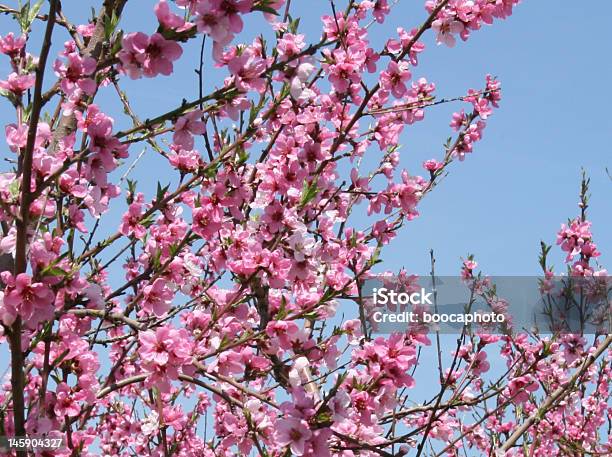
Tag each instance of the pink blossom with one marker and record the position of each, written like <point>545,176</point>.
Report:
<point>66,403</point>
<point>343,70</point>
<point>395,77</point>
<point>86,30</point>
<point>493,90</point>
<point>206,221</point>
<point>157,297</point>
<point>470,264</point>
<point>233,107</point>
<point>185,161</point>
<point>166,345</point>
<point>16,136</point>
<point>8,314</point>
<point>573,347</point>
<point>30,300</point>
<point>186,127</point>
<point>221,18</point>
<point>290,45</point>
<point>458,120</point>
<point>380,10</point>
<point>371,58</point>
<point>294,433</point>
<point>213,23</point>
<point>480,364</point>
<point>70,183</point>
<point>519,388</point>
<point>164,352</point>
<point>18,84</point>
<point>481,104</point>
<point>432,165</point>
<point>131,222</point>
<point>12,46</point>
<point>408,194</point>
<point>274,217</point>
<point>232,9</point>
<point>148,56</point>
<point>283,333</point>
<point>75,73</point>
<point>167,18</point>
<point>299,87</point>
<point>446,29</point>
<point>576,238</point>
<point>247,69</point>
<point>232,284</point>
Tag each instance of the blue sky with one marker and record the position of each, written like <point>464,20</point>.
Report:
<point>523,179</point>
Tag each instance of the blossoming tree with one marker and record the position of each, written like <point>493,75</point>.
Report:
<point>219,340</point>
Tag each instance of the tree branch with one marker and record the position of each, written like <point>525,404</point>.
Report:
<point>25,169</point>
<point>552,400</point>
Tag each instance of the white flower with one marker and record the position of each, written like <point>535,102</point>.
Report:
<point>296,374</point>
<point>301,245</point>
<point>304,71</point>
<point>150,425</point>
<point>189,262</point>
<point>299,84</point>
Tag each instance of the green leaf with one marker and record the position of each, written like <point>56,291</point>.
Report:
<point>110,24</point>
<point>147,221</point>
<point>256,109</point>
<point>309,192</point>
<point>41,335</point>
<point>161,191</point>
<point>53,270</point>
<point>34,10</point>
<point>243,156</point>
<point>265,9</point>
<point>312,315</point>
<point>211,172</point>
<point>131,186</point>
<point>174,247</point>
<point>117,43</point>
<point>14,188</point>
<point>156,261</point>
<point>294,25</point>
<point>282,312</point>
<point>26,15</point>
<point>376,256</point>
